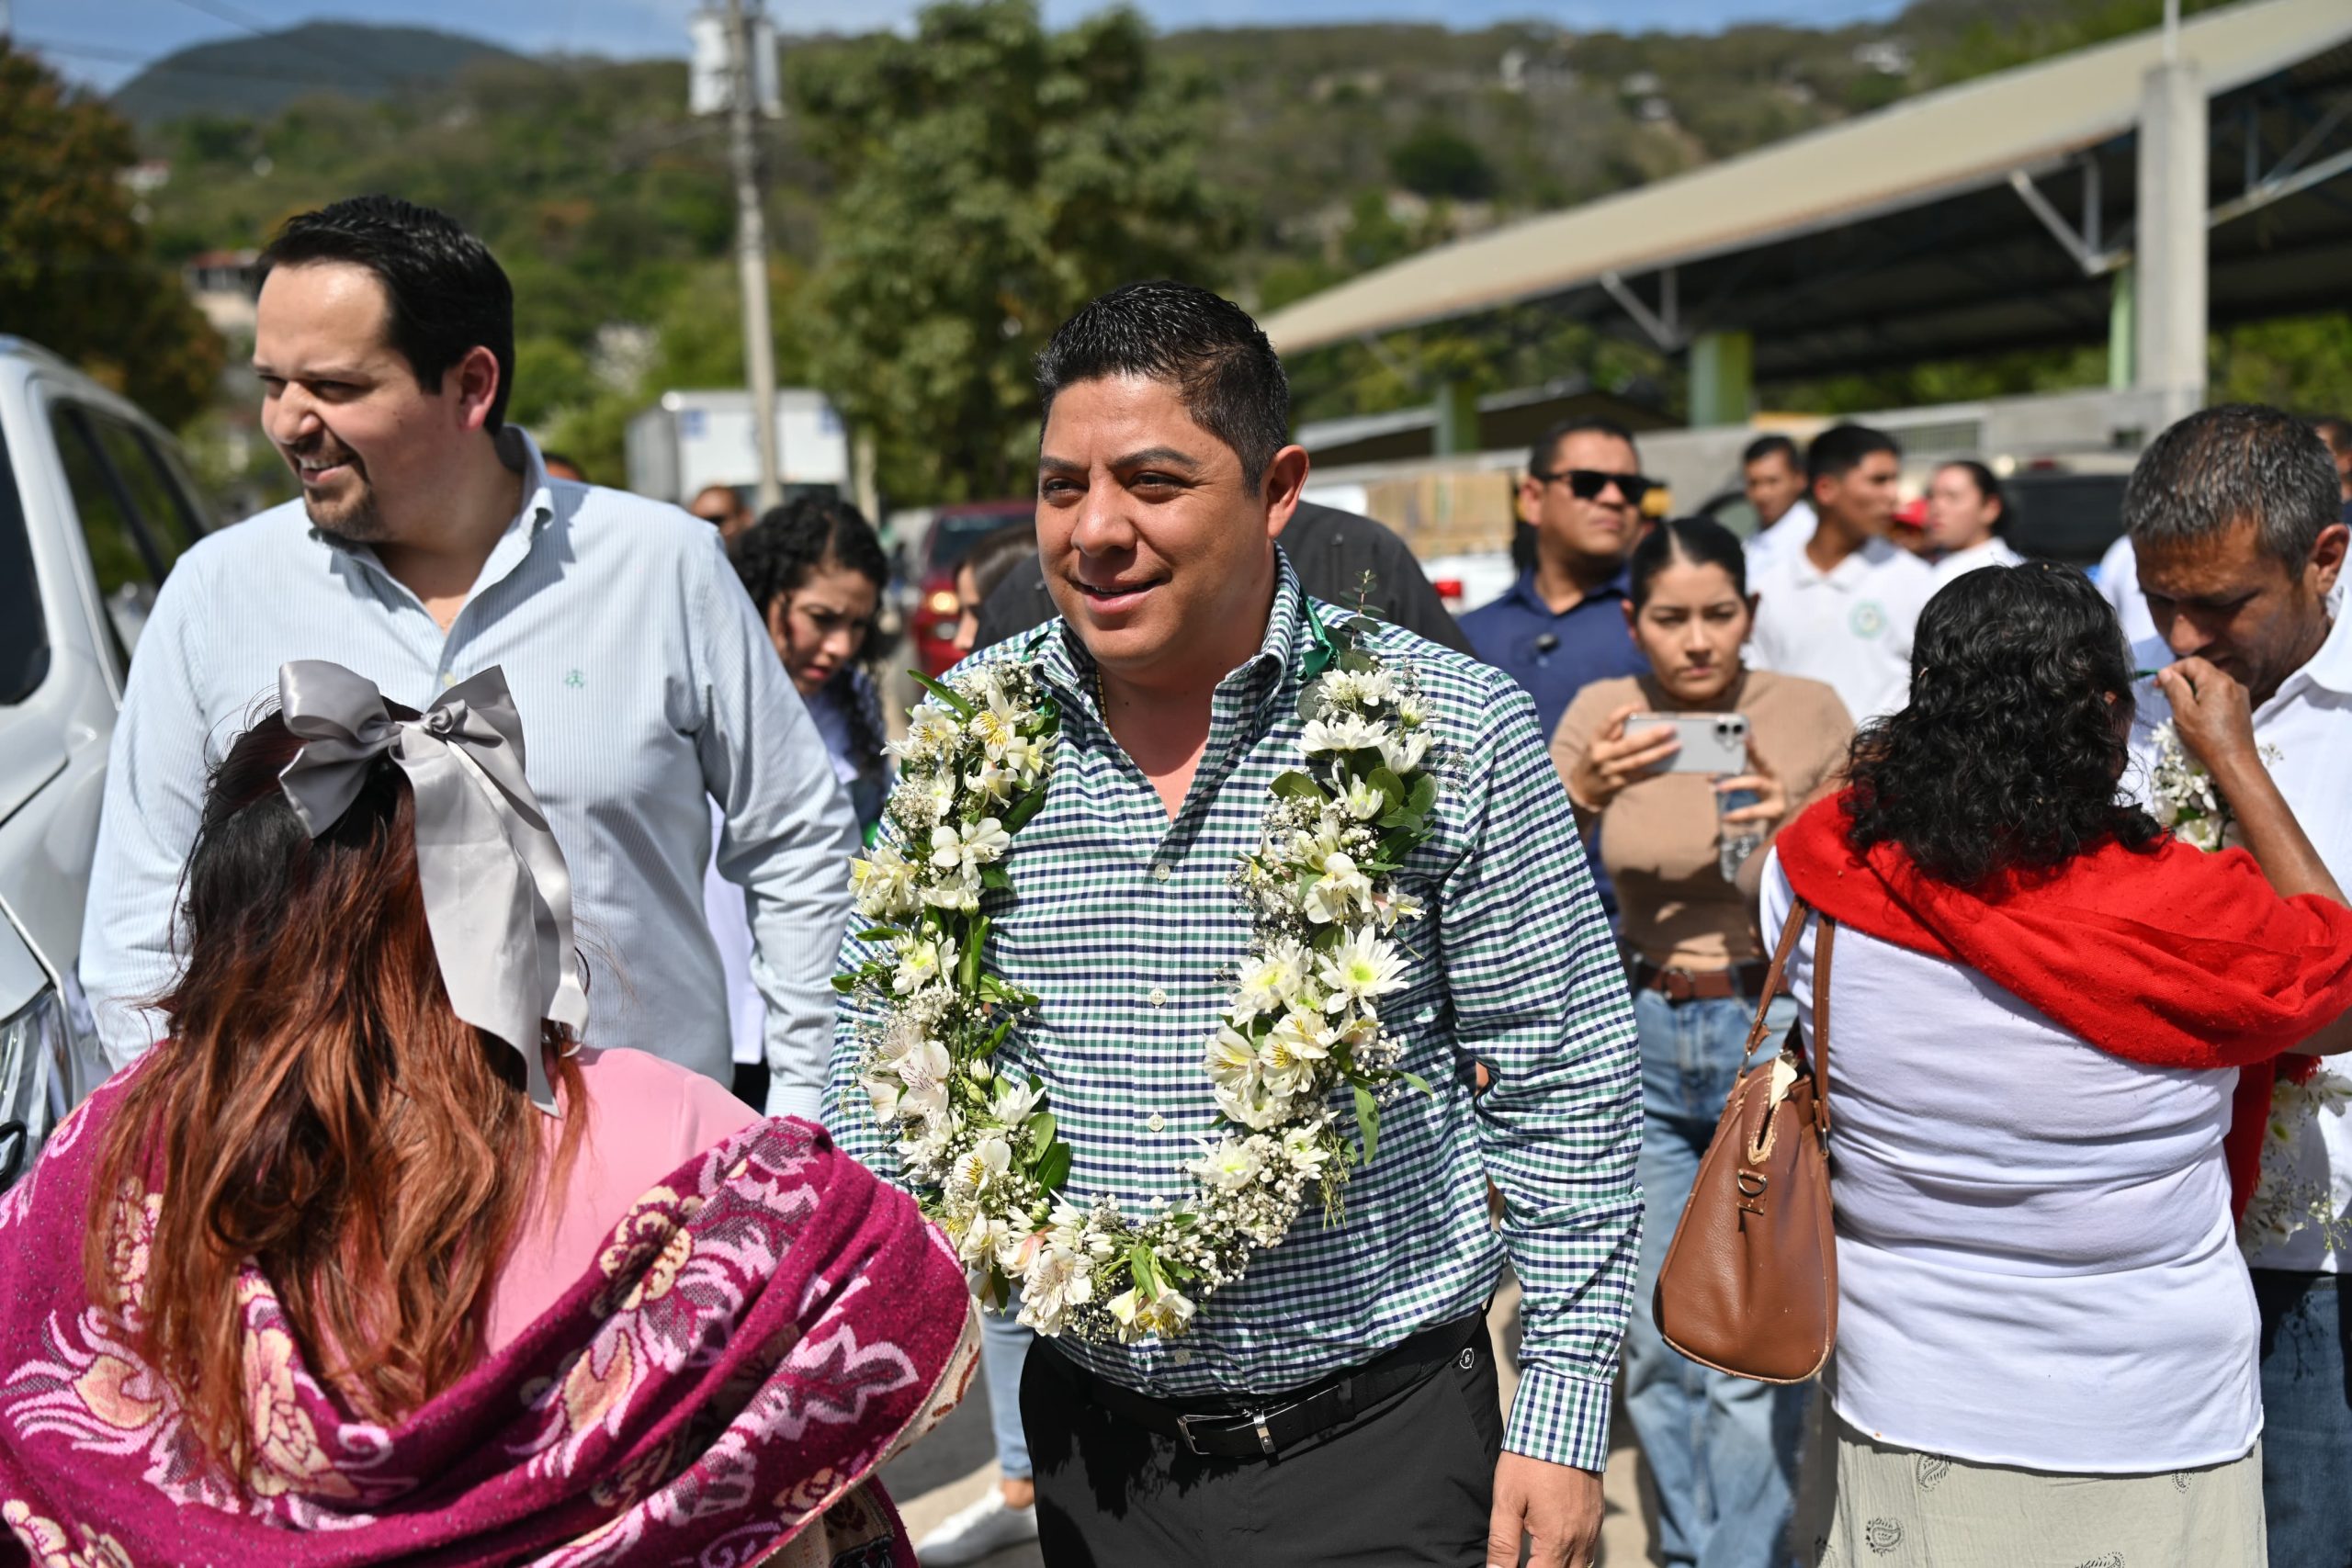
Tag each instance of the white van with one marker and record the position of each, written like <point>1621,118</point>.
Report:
<point>96,504</point>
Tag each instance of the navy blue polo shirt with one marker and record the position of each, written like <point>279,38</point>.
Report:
<point>1590,643</point>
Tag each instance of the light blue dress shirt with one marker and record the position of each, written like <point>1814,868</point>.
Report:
<point>648,690</point>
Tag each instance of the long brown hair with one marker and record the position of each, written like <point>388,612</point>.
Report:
<point>319,1108</point>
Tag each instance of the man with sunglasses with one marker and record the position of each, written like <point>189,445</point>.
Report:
<point>1560,627</point>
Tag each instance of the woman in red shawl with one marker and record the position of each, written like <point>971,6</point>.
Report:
<point>2040,1006</point>
<point>316,1282</point>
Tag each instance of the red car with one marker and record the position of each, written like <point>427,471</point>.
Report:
<point>954,531</point>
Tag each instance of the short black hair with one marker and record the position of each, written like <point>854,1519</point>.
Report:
<point>1547,446</point>
<point>2235,463</point>
<point>446,293</point>
<point>2336,429</point>
<point>2005,757</point>
<point>1765,447</point>
<point>1701,541</point>
<point>1989,487</point>
<point>1841,449</point>
<point>1204,345</point>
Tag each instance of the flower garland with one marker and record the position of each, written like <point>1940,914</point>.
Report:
<point>980,1146</point>
<point>2181,796</point>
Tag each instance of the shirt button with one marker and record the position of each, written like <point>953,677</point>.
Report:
<point>1156,1122</point>
<point>1159,998</point>
<point>449,679</point>
<point>1180,1356</point>
<point>1159,871</point>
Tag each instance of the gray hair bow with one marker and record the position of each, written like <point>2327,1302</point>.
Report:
<point>497,894</point>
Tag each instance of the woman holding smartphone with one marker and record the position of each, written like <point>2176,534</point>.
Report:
<point>1684,849</point>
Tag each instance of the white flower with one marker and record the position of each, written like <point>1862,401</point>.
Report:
<point>1014,1101</point>
<point>1346,733</point>
<point>1250,1103</point>
<point>930,729</point>
<point>983,1240</point>
<point>1393,907</point>
<point>1295,1051</point>
<point>1272,980</point>
<point>1230,1165</point>
<point>1025,758</point>
<point>883,1094</point>
<point>1302,1150</point>
<point>1403,752</point>
<point>1167,1314</point>
<point>924,1069</point>
<point>997,723</point>
<point>992,779</point>
<point>1233,1060</point>
<point>884,884</point>
<point>918,965</point>
<point>1057,1280</point>
<point>1359,971</point>
<point>1359,688</point>
<point>1341,891</point>
<point>955,890</point>
<point>964,850</point>
<point>981,1168</point>
<point>1363,802</point>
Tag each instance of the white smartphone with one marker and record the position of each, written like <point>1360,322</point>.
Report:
<point>1710,742</point>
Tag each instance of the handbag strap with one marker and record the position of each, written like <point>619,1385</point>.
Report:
<point>1819,1064</point>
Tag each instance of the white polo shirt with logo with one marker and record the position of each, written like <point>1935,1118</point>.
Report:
<point>1849,628</point>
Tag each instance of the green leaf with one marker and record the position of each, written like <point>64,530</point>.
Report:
<point>879,933</point>
<point>996,1038</point>
<point>1367,1121</point>
<point>967,971</point>
<point>944,693</point>
<point>1028,805</point>
<point>1363,663</point>
<point>1404,817</point>
<point>1416,1080</point>
<point>1139,1265</point>
<point>1040,1128</point>
<point>1053,1166</point>
<point>1360,625</point>
<point>1297,786</point>
<point>844,984</point>
<point>1392,788</point>
<point>1424,795</point>
<point>993,875</point>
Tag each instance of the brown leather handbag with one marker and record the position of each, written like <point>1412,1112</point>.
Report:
<point>1750,1282</point>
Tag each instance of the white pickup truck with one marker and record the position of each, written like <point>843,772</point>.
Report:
<point>95,503</point>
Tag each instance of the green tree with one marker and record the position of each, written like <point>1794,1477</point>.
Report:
<point>989,177</point>
<point>75,272</point>
<point>1438,161</point>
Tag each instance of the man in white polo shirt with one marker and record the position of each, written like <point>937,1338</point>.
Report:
<point>2236,522</point>
<point>1840,610</point>
<point>1773,475</point>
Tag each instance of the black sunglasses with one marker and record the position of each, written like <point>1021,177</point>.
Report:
<point>1586,484</point>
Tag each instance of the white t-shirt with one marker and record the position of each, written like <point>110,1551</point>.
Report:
<point>2119,584</point>
<point>1849,628</point>
<point>2308,721</point>
<point>1991,552</point>
<point>2035,1263</point>
<point>1792,532</point>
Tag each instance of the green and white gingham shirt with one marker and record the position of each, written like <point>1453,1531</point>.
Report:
<point>1126,924</point>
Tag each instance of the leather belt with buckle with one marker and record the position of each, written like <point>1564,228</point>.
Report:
<point>1741,980</point>
<point>1250,1430</point>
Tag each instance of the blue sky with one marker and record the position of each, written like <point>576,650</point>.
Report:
<point>103,42</point>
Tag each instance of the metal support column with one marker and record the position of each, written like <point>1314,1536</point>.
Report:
<point>2169,293</point>
<point>1723,378</point>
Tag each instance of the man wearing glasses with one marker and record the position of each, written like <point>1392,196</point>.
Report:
<point>1562,624</point>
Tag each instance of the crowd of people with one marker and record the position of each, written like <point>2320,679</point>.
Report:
<point>420,1218</point>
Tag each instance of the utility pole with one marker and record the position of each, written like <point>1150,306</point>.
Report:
<point>752,246</point>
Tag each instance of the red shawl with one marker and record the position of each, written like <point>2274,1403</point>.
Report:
<point>2171,956</point>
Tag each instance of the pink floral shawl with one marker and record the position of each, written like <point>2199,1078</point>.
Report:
<point>762,1330</point>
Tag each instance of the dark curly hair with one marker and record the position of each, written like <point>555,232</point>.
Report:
<point>2007,757</point>
<point>776,554</point>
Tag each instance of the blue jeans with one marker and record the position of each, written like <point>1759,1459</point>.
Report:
<point>2306,1420</point>
<point>1721,1449</point>
<point>1004,1349</point>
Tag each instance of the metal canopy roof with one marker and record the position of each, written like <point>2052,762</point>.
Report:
<point>1934,226</point>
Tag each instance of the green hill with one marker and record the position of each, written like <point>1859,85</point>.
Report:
<point>255,78</point>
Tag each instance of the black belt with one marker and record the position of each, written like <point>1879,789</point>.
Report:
<point>1265,1428</point>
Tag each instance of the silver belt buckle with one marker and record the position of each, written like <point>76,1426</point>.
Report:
<point>1255,1422</point>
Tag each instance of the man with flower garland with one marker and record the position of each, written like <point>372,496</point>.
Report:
<point>1324,1392</point>
<point>2237,528</point>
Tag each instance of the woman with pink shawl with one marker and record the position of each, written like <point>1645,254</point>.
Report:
<point>371,1262</point>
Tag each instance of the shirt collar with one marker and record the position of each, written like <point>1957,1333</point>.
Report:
<point>521,455</point>
<point>1619,586</point>
<point>2331,668</point>
<point>1064,664</point>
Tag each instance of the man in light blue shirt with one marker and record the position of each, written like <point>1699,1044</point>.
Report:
<point>430,543</point>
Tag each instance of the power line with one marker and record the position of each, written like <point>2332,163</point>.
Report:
<point>171,65</point>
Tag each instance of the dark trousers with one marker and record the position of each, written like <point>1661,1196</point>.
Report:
<point>2306,1420</point>
<point>1408,1481</point>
